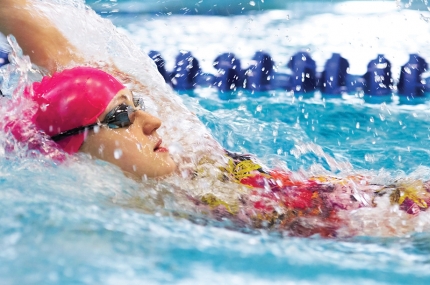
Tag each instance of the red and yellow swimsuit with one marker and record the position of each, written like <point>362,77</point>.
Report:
<point>304,207</point>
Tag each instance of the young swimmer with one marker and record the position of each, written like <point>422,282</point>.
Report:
<point>49,49</point>
<point>90,110</point>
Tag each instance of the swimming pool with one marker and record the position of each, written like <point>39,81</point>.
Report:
<point>60,225</point>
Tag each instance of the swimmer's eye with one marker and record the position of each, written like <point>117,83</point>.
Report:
<point>119,117</point>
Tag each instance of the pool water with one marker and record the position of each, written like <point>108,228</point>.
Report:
<point>85,223</point>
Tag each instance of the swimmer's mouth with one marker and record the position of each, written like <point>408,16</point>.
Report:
<point>159,148</point>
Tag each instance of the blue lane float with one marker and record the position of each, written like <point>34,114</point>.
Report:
<point>378,79</point>
<point>261,75</point>
<point>303,78</point>
<point>334,77</point>
<point>410,81</point>
<point>229,72</point>
<point>186,71</point>
<point>4,59</point>
<point>161,65</point>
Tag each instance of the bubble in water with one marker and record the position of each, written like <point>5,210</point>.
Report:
<point>252,3</point>
<point>369,157</point>
<point>241,108</point>
<point>117,153</point>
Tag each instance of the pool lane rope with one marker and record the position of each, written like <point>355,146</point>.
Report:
<point>303,78</point>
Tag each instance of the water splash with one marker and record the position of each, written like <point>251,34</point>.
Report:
<point>19,73</point>
<point>302,148</point>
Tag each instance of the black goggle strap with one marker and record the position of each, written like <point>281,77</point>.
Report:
<point>72,132</point>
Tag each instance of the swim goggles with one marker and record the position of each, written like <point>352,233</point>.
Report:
<point>118,117</point>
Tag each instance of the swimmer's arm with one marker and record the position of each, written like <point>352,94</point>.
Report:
<point>37,36</point>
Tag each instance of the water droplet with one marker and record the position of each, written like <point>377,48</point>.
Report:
<point>139,146</point>
<point>43,107</point>
<point>117,153</point>
<point>96,129</point>
<point>407,70</point>
<point>369,157</point>
<point>101,149</point>
<point>252,3</point>
<point>357,126</point>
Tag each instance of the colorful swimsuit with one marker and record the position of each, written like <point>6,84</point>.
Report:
<point>279,200</point>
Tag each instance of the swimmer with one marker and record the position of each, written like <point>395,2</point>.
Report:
<point>133,143</point>
<point>88,109</point>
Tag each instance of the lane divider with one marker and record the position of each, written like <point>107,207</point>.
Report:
<point>261,75</point>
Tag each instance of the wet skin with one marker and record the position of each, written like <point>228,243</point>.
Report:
<point>136,149</point>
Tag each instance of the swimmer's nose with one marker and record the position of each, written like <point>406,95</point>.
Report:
<point>148,122</point>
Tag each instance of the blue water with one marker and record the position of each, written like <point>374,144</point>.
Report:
<point>85,223</point>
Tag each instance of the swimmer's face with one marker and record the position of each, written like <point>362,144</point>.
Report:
<point>136,149</point>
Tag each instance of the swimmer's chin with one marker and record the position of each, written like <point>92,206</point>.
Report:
<point>156,176</point>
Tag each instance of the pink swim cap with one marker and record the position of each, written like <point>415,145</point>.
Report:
<point>73,98</point>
